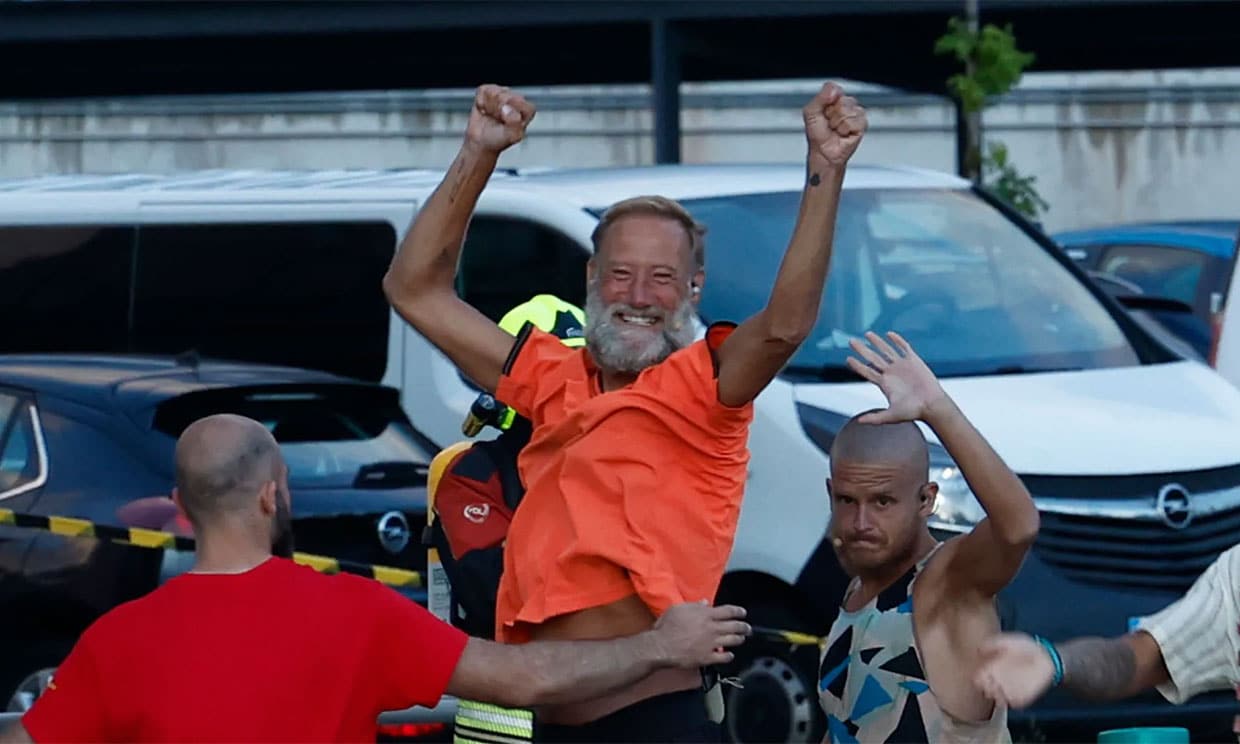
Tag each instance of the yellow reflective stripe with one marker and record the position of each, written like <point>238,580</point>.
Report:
<point>396,576</point>
<point>472,705</point>
<point>492,718</point>
<point>7,516</point>
<point>478,726</point>
<point>151,538</point>
<point>317,562</point>
<point>70,526</point>
<point>469,736</point>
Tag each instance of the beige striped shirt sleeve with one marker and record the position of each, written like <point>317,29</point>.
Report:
<point>1199,635</point>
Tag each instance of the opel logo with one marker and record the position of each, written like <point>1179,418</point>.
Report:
<point>1174,506</point>
<point>394,532</point>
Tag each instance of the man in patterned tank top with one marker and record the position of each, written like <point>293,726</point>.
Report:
<point>899,658</point>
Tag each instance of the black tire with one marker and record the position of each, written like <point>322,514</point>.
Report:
<point>778,701</point>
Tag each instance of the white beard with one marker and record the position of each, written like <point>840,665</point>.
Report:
<point>618,347</point>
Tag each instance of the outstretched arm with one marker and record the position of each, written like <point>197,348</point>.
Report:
<point>755,352</point>
<point>1184,649</point>
<point>420,282</point>
<point>550,672</point>
<point>985,559</point>
<point>1017,670</point>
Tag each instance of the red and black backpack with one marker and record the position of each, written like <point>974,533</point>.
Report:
<point>473,491</point>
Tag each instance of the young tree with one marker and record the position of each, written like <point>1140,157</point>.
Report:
<point>992,66</point>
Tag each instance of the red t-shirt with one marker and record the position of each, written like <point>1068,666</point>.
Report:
<point>278,653</point>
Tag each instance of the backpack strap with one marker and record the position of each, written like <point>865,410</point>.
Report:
<point>439,466</point>
<point>505,461</point>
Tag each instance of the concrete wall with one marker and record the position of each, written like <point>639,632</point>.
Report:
<point>1103,147</point>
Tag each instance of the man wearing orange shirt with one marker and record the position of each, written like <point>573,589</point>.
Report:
<point>636,467</point>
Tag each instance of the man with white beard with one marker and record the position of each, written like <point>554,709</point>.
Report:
<point>636,466</point>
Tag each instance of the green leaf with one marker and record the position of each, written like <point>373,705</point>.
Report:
<point>1002,179</point>
<point>997,63</point>
<point>958,41</point>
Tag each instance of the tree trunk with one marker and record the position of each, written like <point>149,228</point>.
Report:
<point>972,160</point>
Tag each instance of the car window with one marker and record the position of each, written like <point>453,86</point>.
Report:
<point>19,455</point>
<point>1160,271</point>
<point>507,261</point>
<point>298,294</point>
<point>331,435</point>
<point>967,286</point>
<point>65,288</point>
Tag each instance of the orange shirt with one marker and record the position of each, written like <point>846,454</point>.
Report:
<point>635,490</point>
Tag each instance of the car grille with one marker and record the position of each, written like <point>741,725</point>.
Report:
<point>355,537</point>
<point>1124,550</point>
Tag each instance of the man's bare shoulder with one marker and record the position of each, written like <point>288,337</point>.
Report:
<point>934,581</point>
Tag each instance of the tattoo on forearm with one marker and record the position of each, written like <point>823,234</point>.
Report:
<point>814,180</point>
<point>1098,668</point>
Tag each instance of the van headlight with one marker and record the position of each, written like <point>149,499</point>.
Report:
<point>956,509</point>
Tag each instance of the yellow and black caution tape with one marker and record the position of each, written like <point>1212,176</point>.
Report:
<point>155,539</point>
<point>791,637</point>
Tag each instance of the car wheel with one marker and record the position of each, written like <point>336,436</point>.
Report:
<point>775,698</point>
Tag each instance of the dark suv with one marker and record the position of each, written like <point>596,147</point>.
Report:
<point>92,437</point>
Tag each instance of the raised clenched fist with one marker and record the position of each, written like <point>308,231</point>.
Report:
<point>834,125</point>
<point>498,119</point>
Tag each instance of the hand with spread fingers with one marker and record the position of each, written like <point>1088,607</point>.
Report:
<point>834,125</point>
<point>911,389</point>
<point>499,118</point>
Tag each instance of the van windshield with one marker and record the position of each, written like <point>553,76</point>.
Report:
<point>971,291</point>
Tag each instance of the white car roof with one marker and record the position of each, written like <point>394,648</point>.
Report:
<point>592,187</point>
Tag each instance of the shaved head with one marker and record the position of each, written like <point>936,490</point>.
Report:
<point>880,497</point>
<point>900,445</point>
<point>222,461</point>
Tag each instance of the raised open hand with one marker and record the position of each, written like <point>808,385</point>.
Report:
<point>834,124</point>
<point>498,119</point>
<point>911,388</point>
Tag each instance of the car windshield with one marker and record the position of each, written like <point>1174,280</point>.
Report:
<point>967,287</point>
<point>330,439</point>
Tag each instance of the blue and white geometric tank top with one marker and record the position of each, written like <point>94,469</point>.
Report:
<point>872,685</point>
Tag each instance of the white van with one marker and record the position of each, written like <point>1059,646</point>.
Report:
<point>1132,452</point>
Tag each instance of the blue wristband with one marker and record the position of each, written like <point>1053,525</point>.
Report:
<point>1054,654</point>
